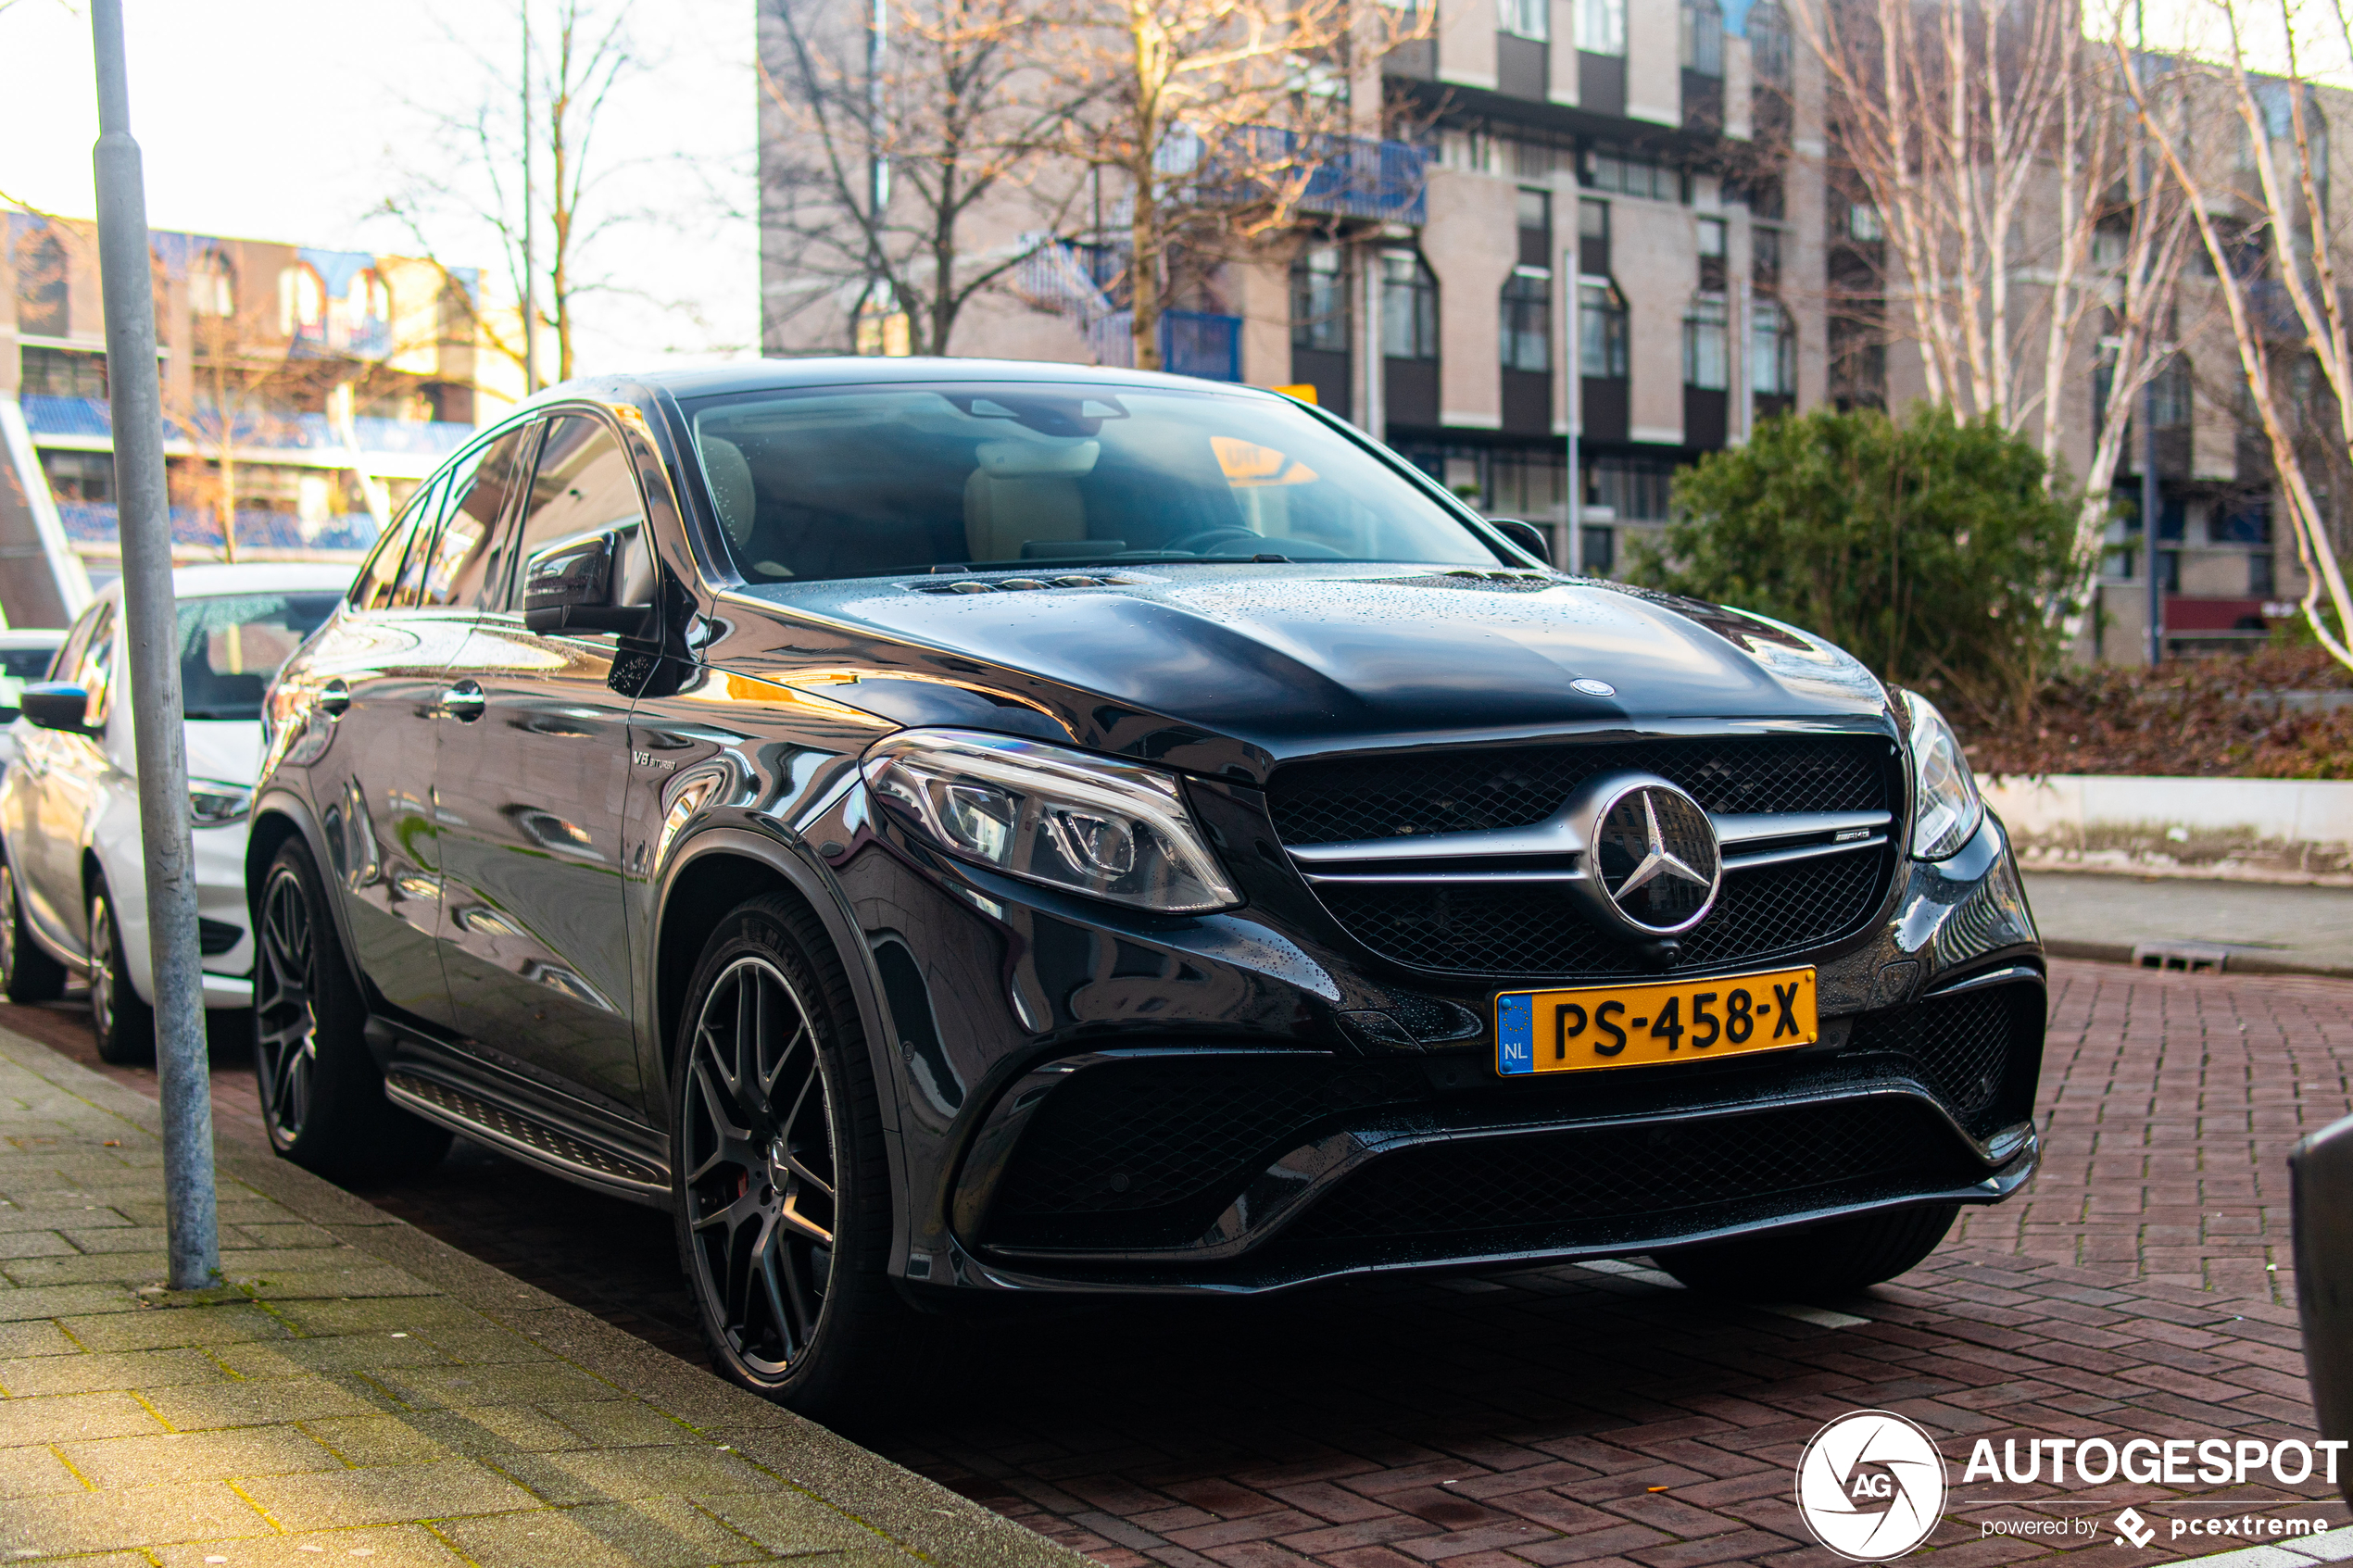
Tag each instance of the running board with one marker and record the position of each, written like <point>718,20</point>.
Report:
<point>563,1153</point>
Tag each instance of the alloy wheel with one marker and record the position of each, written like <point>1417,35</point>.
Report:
<point>286,1027</point>
<point>761,1165</point>
<point>102,974</point>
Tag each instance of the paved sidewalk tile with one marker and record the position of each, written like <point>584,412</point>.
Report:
<point>356,1390</point>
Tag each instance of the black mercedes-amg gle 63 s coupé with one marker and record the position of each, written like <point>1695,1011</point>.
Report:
<point>954,829</point>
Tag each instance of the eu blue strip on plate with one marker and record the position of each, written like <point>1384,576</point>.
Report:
<point>1515,1035</point>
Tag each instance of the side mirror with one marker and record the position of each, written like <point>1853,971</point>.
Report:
<point>1526,535</point>
<point>570,588</point>
<point>2321,1175</point>
<point>59,705</point>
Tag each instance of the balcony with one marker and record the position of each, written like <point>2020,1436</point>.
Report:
<point>1345,176</point>
<point>94,523</point>
<point>90,418</point>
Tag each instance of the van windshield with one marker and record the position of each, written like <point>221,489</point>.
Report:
<point>876,481</point>
<point>232,644</point>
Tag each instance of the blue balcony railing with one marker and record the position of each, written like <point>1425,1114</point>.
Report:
<point>285,433</point>
<point>95,523</point>
<point>1344,176</point>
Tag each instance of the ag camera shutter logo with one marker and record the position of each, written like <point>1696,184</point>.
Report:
<point>1870,1486</point>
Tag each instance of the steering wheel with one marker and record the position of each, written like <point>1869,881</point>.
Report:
<point>1222,542</point>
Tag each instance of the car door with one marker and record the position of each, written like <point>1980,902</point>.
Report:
<point>44,832</point>
<point>385,665</point>
<point>534,932</point>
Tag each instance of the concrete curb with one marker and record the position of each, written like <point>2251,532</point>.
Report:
<point>917,1513</point>
<point>2237,962</point>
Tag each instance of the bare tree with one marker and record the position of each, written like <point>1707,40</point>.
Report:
<point>1214,118</point>
<point>898,156</point>
<point>2000,155</point>
<point>572,78</point>
<point>2265,227</point>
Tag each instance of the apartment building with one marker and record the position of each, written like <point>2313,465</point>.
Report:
<point>307,392</point>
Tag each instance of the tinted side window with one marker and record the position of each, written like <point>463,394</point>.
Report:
<point>68,653</point>
<point>582,485</point>
<point>94,668</point>
<point>373,589</point>
<point>464,565</point>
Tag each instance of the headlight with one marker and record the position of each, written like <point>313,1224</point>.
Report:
<point>1949,808</point>
<point>212,805</point>
<point>1051,815</point>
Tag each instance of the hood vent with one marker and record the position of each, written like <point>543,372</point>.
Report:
<point>1021,584</point>
<point>1507,581</point>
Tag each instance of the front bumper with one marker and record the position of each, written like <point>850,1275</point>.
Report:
<point>1089,1100</point>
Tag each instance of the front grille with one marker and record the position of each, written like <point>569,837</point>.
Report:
<point>215,937</point>
<point>1161,1146</point>
<point>1598,1184</point>
<point>1495,928</point>
<point>1960,1047</point>
<point>1347,799</point>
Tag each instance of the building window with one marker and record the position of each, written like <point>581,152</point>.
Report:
<point>1768,43</point>
<point>1601,331</point>
<point>58,372</point>
<point>1613,170</point>
<point>83,477</point>
<point>372,297</point>
<point>302,303</point>
<point>1408,306</point>
<point>1601,26</point>
<point>1527,320</point>
<point>1706,346</point>
<point>1631,487</point>
<point>41,302</point>
<point>1320,301</point>
<point>1525,19</point>
<point>1532,485</point>
<point>1600,551</point>
<point>212,287</point>
<point>1703,37</point>
<point>2260,580</point>
<point>1772,352</point>
<point>2170,395</point>
<point>1711,238</point>
<point>1765,255</point>
<point>1863,225</point>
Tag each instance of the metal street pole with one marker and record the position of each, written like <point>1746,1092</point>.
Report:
<point>530,290</point>
<point>152,622</point>
<point>1573,386</point>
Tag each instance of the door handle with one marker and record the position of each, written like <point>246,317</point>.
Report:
<point>334,697</point>
<point>464,702</point>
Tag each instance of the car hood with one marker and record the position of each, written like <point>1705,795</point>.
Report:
<point>225,750</point>
<point>1230,669</point>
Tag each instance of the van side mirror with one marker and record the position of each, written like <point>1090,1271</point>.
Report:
<point>1526,535</point>
<point>570,587</point>
<point>57,705</point>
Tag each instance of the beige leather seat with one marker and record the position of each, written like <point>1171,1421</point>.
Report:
<point>1025,492</point>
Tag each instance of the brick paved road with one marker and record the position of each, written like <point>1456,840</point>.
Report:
<point>1598,1416</point>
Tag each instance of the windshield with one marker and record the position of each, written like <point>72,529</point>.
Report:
<point>231,645</point>
<point>873,481</point>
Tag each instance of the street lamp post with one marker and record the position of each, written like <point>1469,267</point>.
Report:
<point>152,623</point>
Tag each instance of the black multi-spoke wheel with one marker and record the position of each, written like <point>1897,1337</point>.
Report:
<point>322,1094</point>
<point>27,974</point>
<point>123,1026</point>
<point>783,1209</point>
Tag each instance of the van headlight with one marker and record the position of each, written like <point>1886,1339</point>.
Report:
<point>1949,808</point>
<point>213,805</point>
<point>1051,815</point>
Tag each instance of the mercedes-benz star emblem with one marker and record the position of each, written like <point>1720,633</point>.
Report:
<point>1654,860</point>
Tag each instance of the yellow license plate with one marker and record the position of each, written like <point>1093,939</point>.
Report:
<point>1639,1025</point>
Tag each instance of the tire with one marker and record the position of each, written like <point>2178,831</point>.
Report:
<point>322,1095</point>
<point>27,973</point>
<point>780,1189</point>
<point>1837,1259</point>
<point>123,1026</point>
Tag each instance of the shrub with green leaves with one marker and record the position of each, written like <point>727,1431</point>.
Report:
<point>1931,549</point>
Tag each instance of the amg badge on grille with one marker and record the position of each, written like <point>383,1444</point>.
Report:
<point>1653,863</point>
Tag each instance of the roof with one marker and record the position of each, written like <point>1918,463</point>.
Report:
<point>252,577</point>
<point>770,375</point>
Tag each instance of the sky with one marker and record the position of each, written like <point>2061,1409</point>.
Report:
<point>294,119</point>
